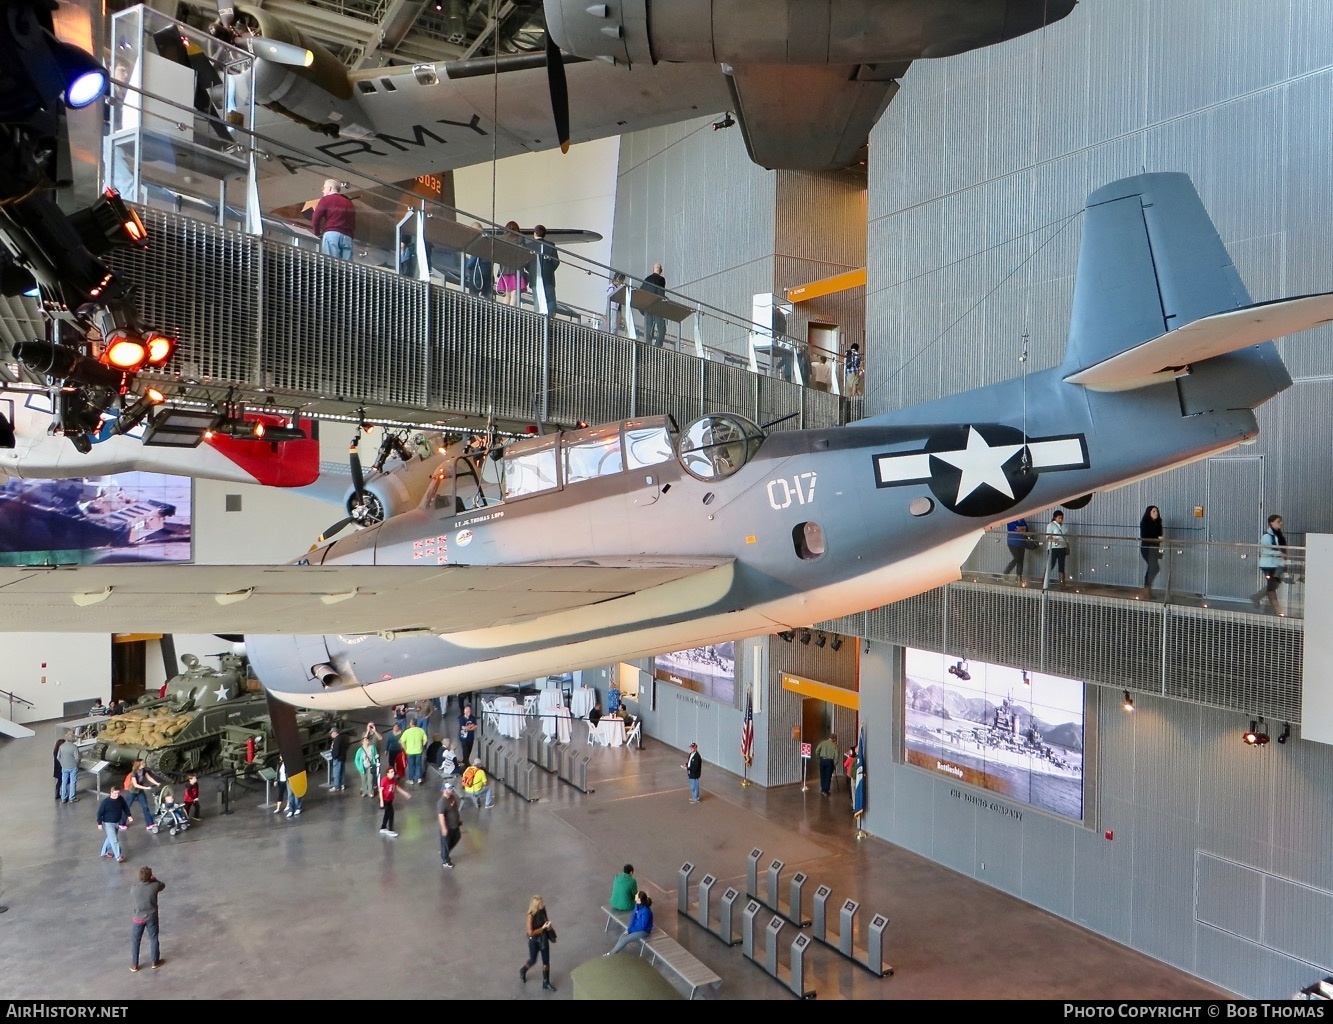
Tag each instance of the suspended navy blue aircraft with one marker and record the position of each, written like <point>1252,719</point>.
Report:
<point>620,541</point>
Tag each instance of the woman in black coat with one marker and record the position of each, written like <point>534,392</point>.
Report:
<point>1150,545</point>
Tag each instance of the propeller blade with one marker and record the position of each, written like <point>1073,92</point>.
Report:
<point>277,52</point>
<point>335,529</point>
<point>283,717</point>
<point>559,88</point>
<point>354,458</point>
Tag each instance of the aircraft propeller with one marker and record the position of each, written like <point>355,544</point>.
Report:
<point>285,730</point>
<point>363,507</point>
<point>559,89</point>
<point>273,50</point>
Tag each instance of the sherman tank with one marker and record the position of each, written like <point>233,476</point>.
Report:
<point>184,731</point>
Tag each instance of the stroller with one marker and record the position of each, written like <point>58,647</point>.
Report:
<point>170,813</point>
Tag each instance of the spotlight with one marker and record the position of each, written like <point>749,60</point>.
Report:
<point>959,669</point>
<point>1128,705</point>
<point>1257,734</point>
<point>805,636</point>
<point>1027,680</point>
<point>835,642</point>
<point>160,347</point>
<point>108,224</point>
<point>726,122</point>
<point>867,648</point>
<point>85,79</point>
<point>124,351</point>
<point>1285,734</point>
<point>821,640</point>
<point>787,635</point>
<point>60,362</point>
<point>135,414</point>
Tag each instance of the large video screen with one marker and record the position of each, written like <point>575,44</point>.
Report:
<point>709,670</point>
<point>1007,730</point>
<point>126,517</point>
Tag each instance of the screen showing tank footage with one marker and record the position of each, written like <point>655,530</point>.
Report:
<point>1018,734</point>
<point>128,517</point>
<point>709,670</point>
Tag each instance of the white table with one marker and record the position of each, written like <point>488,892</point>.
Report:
<point>557,722</point>
<point>609,732</point>
<point>550,699</point>
<point>584,698</point>
<point>510,717</point>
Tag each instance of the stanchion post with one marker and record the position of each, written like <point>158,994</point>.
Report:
<point>726,926</point>
<point>797,983</point>
<point>771,934</point>
<point>683,888</point>
<point>774,875</point>
<point>748,915</point>
<point>705,911</point>
<point>847,927</point>
<point>796,904</point>
<point>875,945</point>
<point>752,872</point>
<point>820,919</point>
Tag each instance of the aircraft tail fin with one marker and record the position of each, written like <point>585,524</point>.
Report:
<point>1157,295</point>
<point>1150,262</point>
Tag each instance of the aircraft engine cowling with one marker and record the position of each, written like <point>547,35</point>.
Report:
<point>818,32</point>
<point>382,498</point>
<point>319,95</point>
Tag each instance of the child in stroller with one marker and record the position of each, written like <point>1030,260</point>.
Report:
<point>170,813</point>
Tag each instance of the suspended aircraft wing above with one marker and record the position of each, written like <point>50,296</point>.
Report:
<point>810,117</point>
<point>316,599</point>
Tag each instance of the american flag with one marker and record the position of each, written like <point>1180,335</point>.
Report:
<point>859,776</point>
<point>747,733</point>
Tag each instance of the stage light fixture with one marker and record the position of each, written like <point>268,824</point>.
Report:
<point>86,80</point>
<point>124,351</point>
<point>1027,679</point>
<point>62,363</point>
<point>835,642</point>
<point>805,637</point>
<point>821,640</point>
<point>108,224</point>
<point>1285,734</point>
<point>136,413</point>
<point>787,635</point>
<point>160,347</point>
<point>959,669</point>
<point>1257,734</point>
<point>1128,705</point>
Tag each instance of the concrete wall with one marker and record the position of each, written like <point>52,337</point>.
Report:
<point>52,670</point>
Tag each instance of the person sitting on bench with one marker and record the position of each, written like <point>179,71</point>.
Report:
<point>640,923</point>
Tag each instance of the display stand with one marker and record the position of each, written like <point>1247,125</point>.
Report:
<point>651,304</point>
<point>328,769</point>
<point>96,770</point>
<point>270,776</point>
<point>620,297</point>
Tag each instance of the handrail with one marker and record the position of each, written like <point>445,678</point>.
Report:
<point>11,697</point>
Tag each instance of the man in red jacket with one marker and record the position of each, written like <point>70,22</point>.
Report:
<point>334,221</point>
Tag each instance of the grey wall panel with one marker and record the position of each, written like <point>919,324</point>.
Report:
<point>1302,803</point>
<point>954,827</point>
<point>1298,921</point>
<point>1048,847</point>
<point>1104,873</point>
<point>1243,967</point>
<point>1230,896</point>
<point>881,675</point>
<point>1165,749</point>
<point>913,823</point>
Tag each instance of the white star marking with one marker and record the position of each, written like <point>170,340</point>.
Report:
<point>980,464</point>
<point>221,691</point>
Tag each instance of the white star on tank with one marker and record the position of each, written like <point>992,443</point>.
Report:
<point>980,464</point>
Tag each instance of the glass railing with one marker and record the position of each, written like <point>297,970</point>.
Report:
<point>178,135</point>
<point>1194,573</point>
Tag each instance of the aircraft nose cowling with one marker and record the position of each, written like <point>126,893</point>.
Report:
<point>1024,16</point>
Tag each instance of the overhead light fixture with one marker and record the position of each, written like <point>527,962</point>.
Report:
<point>787,635</point>
<point>175,427</point>
<point>821,640</point>
<point>124,351</point>
<point>1128,705</point>
<point>805,637</point>
<point>867,648</point>
<point>160,347</point>
<point>85,79</point>
<point>108,224</point>
<point>1285,734</point>
<point>1257,734</point>
<point>1027,680</point>
<point>835,642</point>
<point>959,669</point>
<point>726,122</point>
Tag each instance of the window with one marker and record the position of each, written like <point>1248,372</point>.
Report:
<point>646,444</point>
<point>592,453</point>
<point>530,470</point>
<point>714,447</point>
<point>809,540</point>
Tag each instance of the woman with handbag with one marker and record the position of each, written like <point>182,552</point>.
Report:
<point>540,937</point>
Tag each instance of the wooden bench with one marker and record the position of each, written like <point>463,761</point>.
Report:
<point>667,951</point>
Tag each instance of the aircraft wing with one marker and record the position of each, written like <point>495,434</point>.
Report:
<point>811,117</point>
<point>312,599</point>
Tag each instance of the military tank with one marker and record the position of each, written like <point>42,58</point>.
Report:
<point>184,731</point>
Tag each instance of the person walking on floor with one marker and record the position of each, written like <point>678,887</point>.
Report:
<point>293,801</point>
<point>853,371</point>
<point>1271,562</point>
<point>145,919</point>
<point>141,782</point>
<point>694,768</point>
<point>1150,546</point>
<point>67,756</point>
<point>367,762</point>
<point>113,815</point>
<point>1058,542</point>
<point>827,752</point>
<point>655,326</point>
<point>477,784</point>
<point>56,770</point>
<point>338,765</point>
<point>451,823</point>
<point>334,221</point>
<point>389,789</point>
<point>540,936</point>
<point>640,923</point>
<point>1017,537</point>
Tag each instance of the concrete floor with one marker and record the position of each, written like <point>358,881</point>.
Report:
<point>259,906</point>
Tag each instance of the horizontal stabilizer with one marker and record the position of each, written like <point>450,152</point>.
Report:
<point>1170,355</point>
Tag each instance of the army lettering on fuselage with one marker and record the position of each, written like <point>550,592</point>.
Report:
<point>344,150</point>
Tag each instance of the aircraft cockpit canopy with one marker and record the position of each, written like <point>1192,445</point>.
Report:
<point>714,447</point>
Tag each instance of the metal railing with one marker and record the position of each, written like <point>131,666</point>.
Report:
<point>1206,574</point>
<point>6,695</point>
